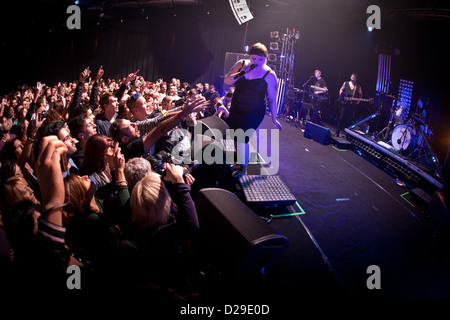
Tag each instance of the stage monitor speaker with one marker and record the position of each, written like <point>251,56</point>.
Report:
<point>213,122</point>
<point>241,11</point>
<point>239,241</point>
<point>439,216</point>
<point>317,133</point>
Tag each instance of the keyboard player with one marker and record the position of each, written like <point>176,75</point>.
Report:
<point>318,94</point>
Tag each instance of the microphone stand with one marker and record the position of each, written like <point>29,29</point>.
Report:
<point>299,112</point>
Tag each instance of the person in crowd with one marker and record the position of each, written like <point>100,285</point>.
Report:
<point>41,256</point>
<point>136,169</point>
<point>5,132</point>
<point>79,102</point>
<point>16,189</point>
<point>220,110</point>
<point>134,145</point>
<point>59,128</point>
<point>205,92</point>
<point>109,103</point>
<point>213,94</point>
<point>97,159</point>
<point>226,99</point>
<point>163,218</point>
<point>82,128</point>
<point>124,112</point>
<point>21,153</point>
<point>140,110</point>
<point>93,226</point>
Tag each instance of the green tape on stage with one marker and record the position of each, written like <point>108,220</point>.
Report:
<point>403,196</point>
<point>291,214</point>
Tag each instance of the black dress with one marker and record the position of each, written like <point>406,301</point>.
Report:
<point>248,105</point>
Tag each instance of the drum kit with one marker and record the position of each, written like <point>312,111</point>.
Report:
<point>411,134</point>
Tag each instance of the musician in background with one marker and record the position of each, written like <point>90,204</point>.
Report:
<point>421,110</point>
<point>349,90</point>
<point>318,96</point>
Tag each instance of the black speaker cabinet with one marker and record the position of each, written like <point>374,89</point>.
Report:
<point>317,133</point>
<point>212,122</point>
<point>439,216</point>
<point>235,237</point>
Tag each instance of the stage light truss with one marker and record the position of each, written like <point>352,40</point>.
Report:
<point>285,56</point>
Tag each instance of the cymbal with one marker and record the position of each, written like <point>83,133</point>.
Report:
<point>392,97</point>
<point>417,115</point>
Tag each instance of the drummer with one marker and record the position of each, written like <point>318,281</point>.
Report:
<point>420,110</point>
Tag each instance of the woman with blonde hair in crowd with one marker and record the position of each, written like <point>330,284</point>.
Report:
<point>163,220</point>
<point>16,189</point>
<point>94,226</point>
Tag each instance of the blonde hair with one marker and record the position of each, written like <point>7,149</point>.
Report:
<point>75,195</point>
<point>150,201</point>
<point>14,189</point>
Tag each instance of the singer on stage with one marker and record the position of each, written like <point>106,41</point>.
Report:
<point>252,79</point>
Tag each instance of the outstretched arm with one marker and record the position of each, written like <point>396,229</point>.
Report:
<point>168,124</point>
<point>49,174</point>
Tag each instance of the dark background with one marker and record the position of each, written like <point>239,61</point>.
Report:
<point>189,41</point>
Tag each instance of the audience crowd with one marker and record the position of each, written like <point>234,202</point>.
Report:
<point>87,180</point>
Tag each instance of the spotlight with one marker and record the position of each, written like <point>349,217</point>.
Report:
<point>370,29</point>
<point>77,2</point>
<point>274,46</point>
<point>272,57</point>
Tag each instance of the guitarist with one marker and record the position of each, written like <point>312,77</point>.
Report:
<point>318,96</point>
<point>350,89</point>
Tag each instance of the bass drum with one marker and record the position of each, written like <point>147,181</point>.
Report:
<point>403,138</point>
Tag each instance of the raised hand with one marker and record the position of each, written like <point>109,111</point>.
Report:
<point>84,75</point>
<point>197,105</point>
<point>131,77</point>
<point>99,74</point>
<point>174,173</point>
<point>49,175</point>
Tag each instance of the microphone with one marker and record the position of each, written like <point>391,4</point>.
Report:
<point>240,74</point>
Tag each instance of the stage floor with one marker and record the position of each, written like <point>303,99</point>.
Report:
<point>353,217</point>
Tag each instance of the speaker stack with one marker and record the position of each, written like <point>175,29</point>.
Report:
<point>317,133</point>
<point>240,242</point>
